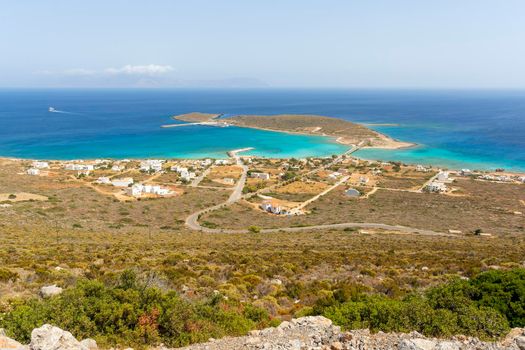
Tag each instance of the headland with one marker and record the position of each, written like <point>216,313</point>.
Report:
<point>343,131</point>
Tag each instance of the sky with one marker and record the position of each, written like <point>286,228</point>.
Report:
<point>265,43</point>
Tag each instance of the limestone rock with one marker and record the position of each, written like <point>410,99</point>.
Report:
<point>89,343</point>
<point>49,337</point>
<point>447,345</point>
<point>8,343</point>
<point>49,291</point>
<point>520,342</point>
<point>416,344</point>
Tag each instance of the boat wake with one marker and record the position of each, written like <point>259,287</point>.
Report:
<point>54,110</point>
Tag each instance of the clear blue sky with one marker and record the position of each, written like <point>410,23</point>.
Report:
<point>279,43</point>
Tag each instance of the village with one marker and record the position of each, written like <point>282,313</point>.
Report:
<point>280,187</point>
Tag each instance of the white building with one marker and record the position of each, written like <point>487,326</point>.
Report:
<point>79,167</point>
<point>138,189</point>
<point>117,168</point>
<point>436,187</point>
<point>363,180</point>
<point>335,175</point>
<point>123,182</point>
<point>421,168</point>
<point>151,165</point>
<point>521,179</point>
<point>103,180</point>
<point>274,207</point>
<point>222,161</point>
<point>40,165</point>
<point>135,190</point>
<point>33,171</point>
<point>262,176</point>
<point>442,176</point>
<point>465,172</point>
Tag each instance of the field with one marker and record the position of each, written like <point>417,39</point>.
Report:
<point>476,205</point>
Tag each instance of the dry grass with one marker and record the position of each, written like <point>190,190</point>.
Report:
<point>303,187</point>
<point>482,205</point>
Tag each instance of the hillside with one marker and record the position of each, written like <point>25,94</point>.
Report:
<point>346,132</point>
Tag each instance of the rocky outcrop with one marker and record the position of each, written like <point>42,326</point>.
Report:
<point>306,333</point>
<point>318,333</point>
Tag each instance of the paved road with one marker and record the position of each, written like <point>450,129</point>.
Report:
<point>199,178</point>
<point>368,225</point>
<point>192,221</point>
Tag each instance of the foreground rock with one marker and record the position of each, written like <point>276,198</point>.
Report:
<point>318,333</point>
<point>49,337</point>
<point>8,343</point>
<point>306,333</point>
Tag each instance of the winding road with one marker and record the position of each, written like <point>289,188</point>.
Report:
<point>192,221</point>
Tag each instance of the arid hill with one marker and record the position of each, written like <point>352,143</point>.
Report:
<point>346,132</point>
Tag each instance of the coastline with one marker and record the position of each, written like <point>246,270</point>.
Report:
<point>382,142</point>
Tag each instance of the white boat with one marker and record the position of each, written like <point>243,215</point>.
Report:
<point>51,109</point>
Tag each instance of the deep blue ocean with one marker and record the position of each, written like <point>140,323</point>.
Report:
<point>457,129</point>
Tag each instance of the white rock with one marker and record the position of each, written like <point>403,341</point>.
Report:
<point>8,343</point>
<point>89,343</point>
<point>416,344</point>
<point>49,291</point>
<point>520,342</point>
<point>447,345</point>
<point>49,337</point>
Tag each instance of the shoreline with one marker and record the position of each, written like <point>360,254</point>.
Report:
<point>386,143</point>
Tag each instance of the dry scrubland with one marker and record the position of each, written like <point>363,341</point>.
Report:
<point>476,205</point>
<point>79,233</point>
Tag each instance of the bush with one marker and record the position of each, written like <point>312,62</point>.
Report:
<point>132,313</point>
<point>484,307</point>
<point>8,275</point>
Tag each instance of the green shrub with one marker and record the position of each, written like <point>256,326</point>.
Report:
<point>132,313</point>
<point>8,275</point>
<point>484,307</point>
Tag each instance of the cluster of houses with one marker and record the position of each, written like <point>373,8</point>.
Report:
<point>183,172</point>
<point>438,185</point>
<point>151,165</point>
<point>491,177</point>
<point>423,169</point>
<point>36,167</point>
<point>138,190</point>
<point>275,207</point>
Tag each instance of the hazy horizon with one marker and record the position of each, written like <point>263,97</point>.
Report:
<point>379,44</point>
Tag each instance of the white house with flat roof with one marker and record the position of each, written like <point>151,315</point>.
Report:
<point>33,171</point>
<point>151,165</point>
<point>79,167</point>
<point>123,182</point>
<point>262,176</point>
<point>104,180</point>
<point>442,176</point>
<point>40,165</point>
<point>435,186</point>
<point>138,190</point>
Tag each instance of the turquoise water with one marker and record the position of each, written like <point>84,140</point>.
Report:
<point>457,129</point>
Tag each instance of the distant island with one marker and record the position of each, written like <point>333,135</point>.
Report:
<point>343,131</point>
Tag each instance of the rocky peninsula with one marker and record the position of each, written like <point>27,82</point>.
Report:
<point>342,131</point>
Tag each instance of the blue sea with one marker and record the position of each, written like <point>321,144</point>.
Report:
<point>457,129</point>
